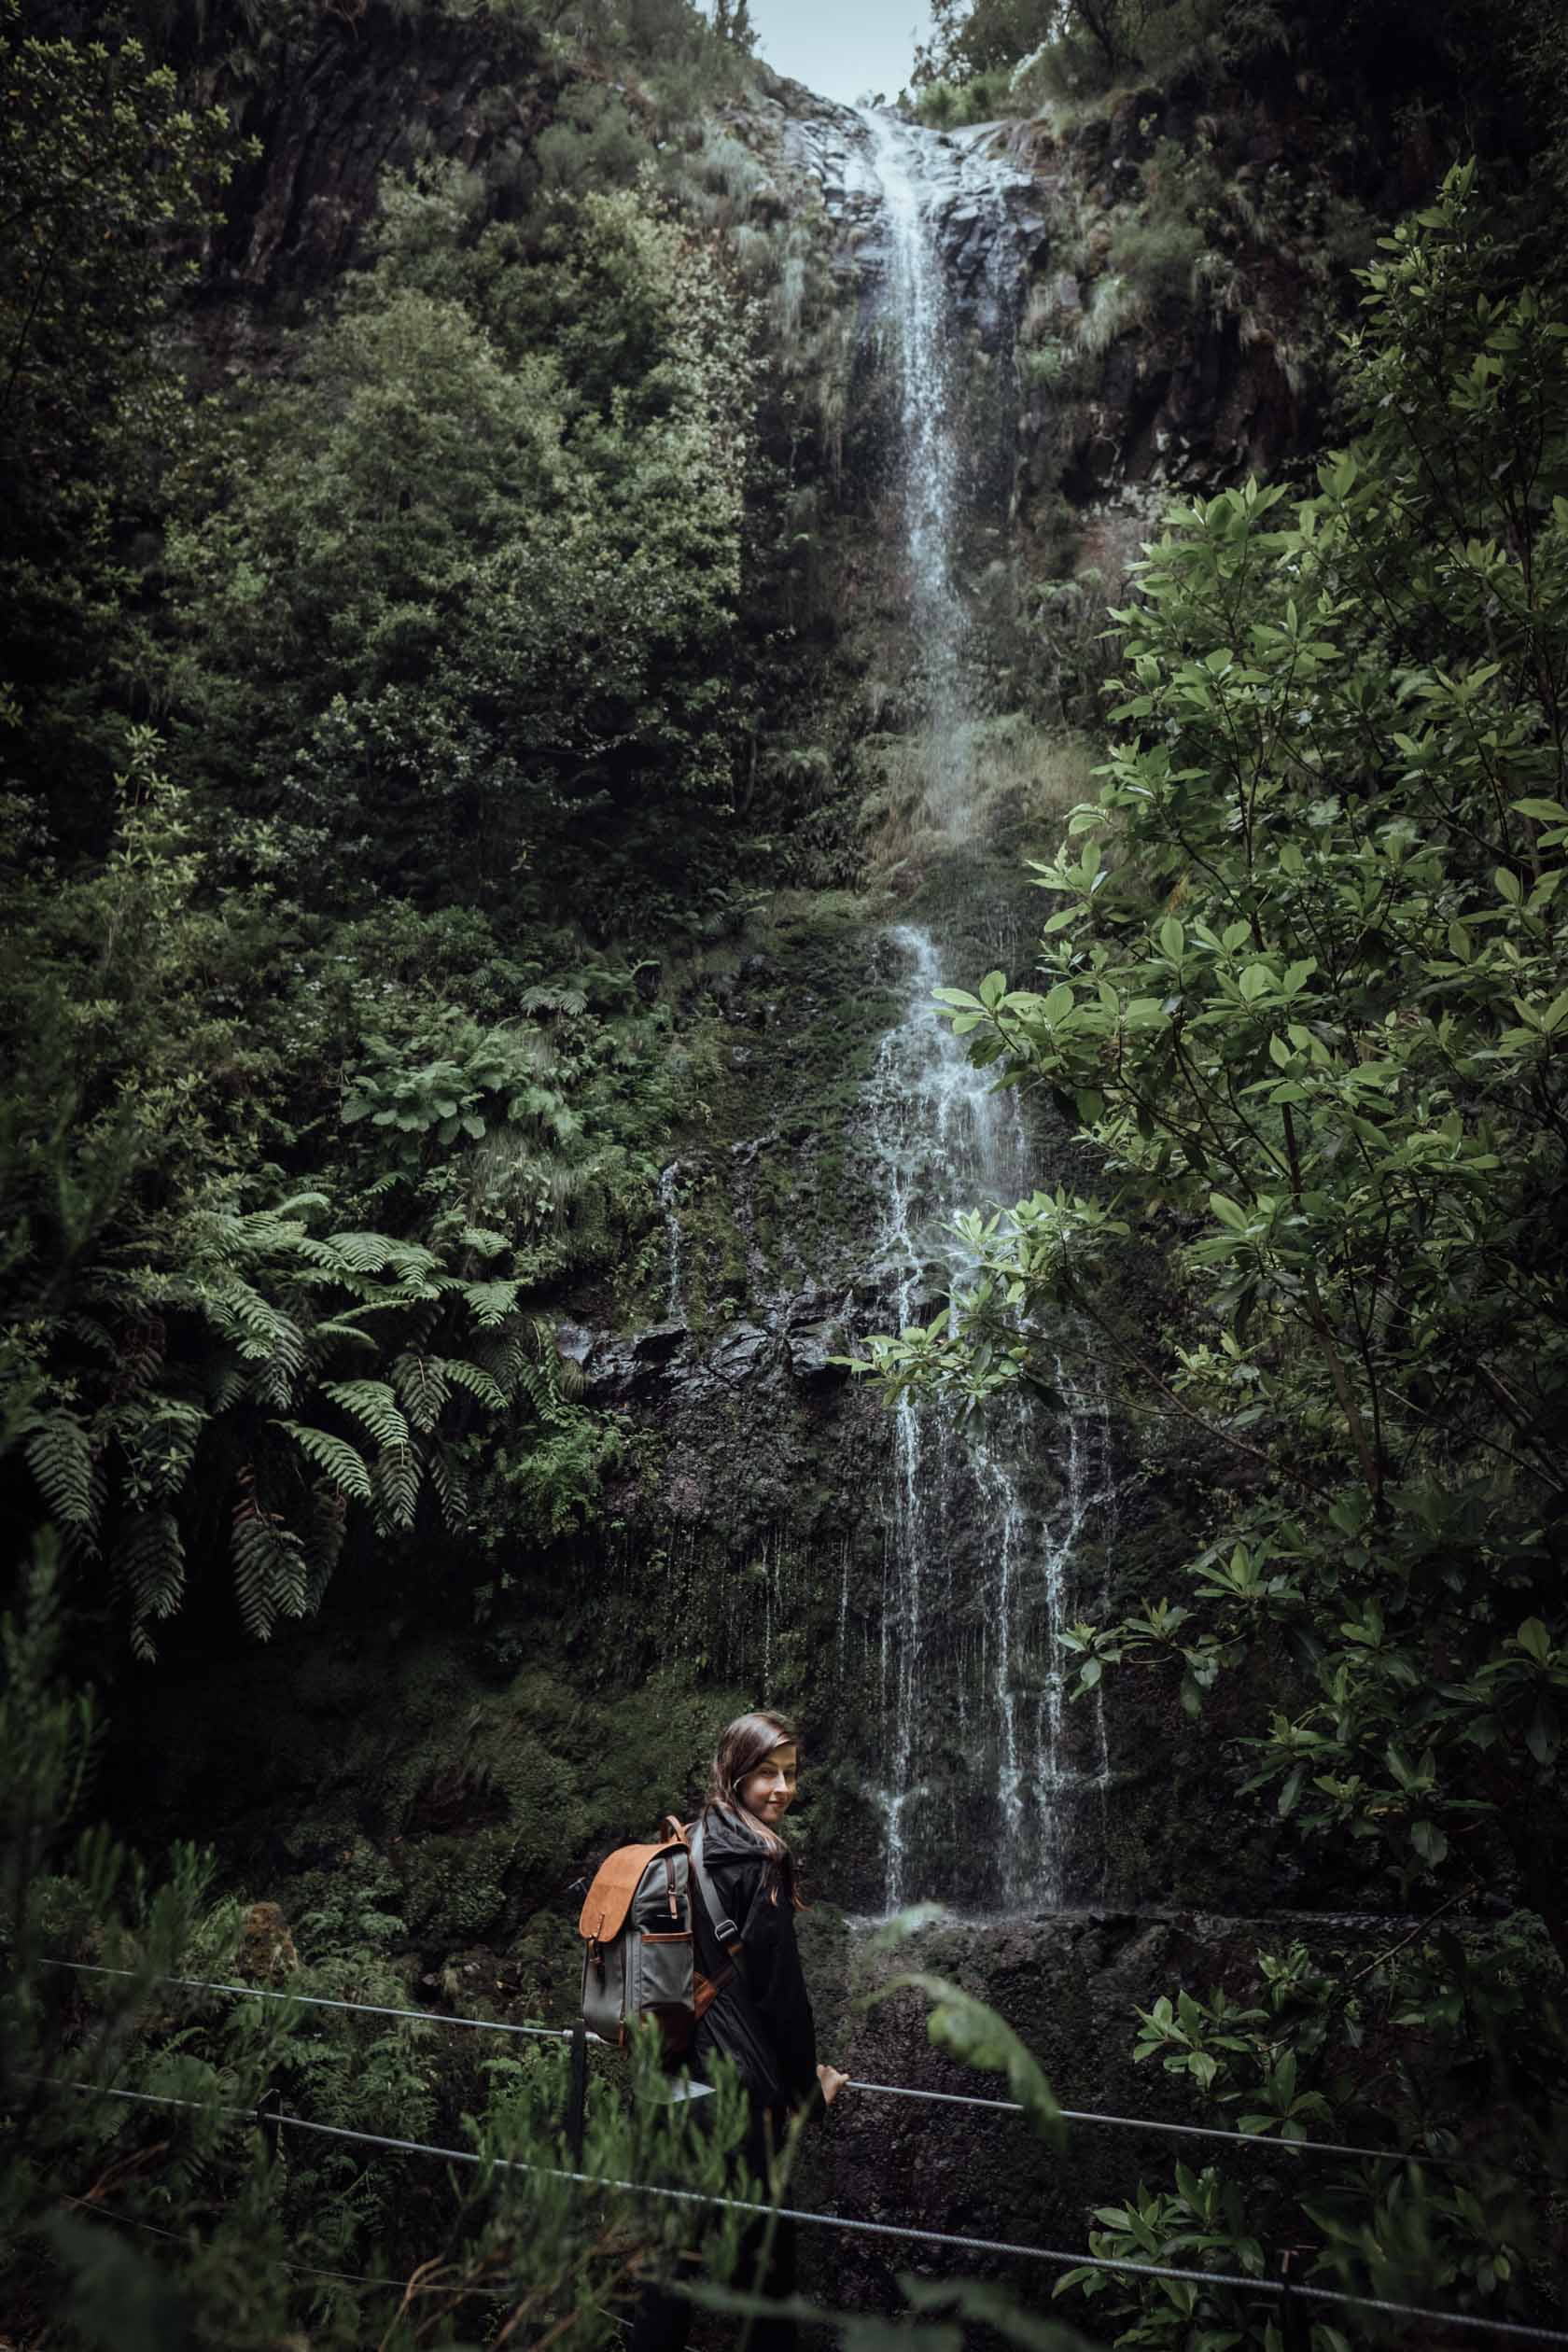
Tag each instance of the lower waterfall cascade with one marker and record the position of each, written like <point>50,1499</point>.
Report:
<point>979,1548</point>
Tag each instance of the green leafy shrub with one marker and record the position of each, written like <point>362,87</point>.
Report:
<point>474,564</point>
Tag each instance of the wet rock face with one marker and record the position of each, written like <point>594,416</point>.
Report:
<point>989,221</point>
<point>1178,401</point>
<point>1069,1986</point>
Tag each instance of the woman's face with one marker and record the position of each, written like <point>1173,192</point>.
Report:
<point>770,1790</point>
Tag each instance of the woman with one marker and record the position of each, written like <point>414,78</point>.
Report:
<point>760,2015</point>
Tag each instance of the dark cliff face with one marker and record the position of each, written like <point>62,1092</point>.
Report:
<point>344,103</point>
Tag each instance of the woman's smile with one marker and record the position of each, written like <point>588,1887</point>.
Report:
<point>769,1791</point>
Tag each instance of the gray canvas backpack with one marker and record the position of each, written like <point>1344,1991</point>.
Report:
<point>640,1960</point>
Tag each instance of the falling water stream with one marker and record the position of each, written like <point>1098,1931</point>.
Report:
<point>986,1518</point>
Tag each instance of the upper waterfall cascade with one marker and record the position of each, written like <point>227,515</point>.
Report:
<point>986,1520</point>
<point>916,175</point>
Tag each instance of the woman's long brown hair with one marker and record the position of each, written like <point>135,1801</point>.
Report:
<point>744,1745</point>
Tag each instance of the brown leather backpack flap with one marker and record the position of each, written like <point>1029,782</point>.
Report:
<point>609,1897</point>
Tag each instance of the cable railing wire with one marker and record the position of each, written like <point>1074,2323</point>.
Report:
<point>850,2224</point>
<point>323,2001</point>
<point>1149,2124</point>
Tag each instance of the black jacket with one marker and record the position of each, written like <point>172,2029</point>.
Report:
<point>761,2017</point>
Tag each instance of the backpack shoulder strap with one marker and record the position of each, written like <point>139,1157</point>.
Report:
<point>722,1925</point>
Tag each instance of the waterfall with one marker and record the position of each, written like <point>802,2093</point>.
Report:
<point>915,309</point>
<point>988,1778</point>
<point>669,1179</point>
<point>985,1517</point>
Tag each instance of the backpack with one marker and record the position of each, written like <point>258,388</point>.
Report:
<point>640,1960</point>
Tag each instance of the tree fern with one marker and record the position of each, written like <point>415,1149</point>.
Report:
<point>229,1330</point>
<point>324,1540</point>
<point>271,1577</point>
<point>364,1252</point>
<point>450,1486</point>
<point>346,1467</point>
<point>60,1456</point>
<point>421,1383</point>
<point>534,1383</point>
<point>397,1486</point>
<point>484,1240</point>
<point>150,1559</point>
<point>375,1406</point>
<point>342,1327</point>
<point>477,1381</point>
<point>490,1302</point>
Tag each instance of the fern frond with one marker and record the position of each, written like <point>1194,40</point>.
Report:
<point>321,1255</point>
<point>397,1487</point>
<point>411,1262</point>
<point>365,1253</point>
<point>547,996</point>
<point>420,1326</point>
<point>271,1576</point>
<point>346,1467</point>
<point>421,1383</point>
<point>60,1456</point>
<point>490,1302</point>
<point>298,1201</point>
<point>451,1489</point>
<point>477,1381</point>
<point>226,1382</point>
<point>324,1540</point>
<point>150,1558</point>
<point>537,1387</point>
<point>483,1241</point>
<point>372,1403</point>
<point>159,1436</point>
<point>141,1354</point>
<point>263,1333</point>
<point>500,1353</point>
<point>339,1327</point>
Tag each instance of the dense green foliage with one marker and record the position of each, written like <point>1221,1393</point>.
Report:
<point>370,723</point>
<point>1305,986</point>
<point>253,2231</point>
<point>379,710</point>
<point>451,602</point>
